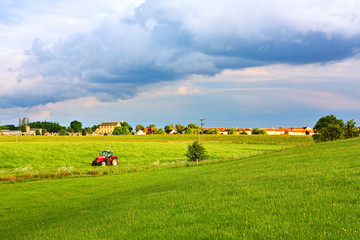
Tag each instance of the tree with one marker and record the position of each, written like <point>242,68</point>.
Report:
<point>62,132</point>
<point>160,131</point>
<point>179,128</point>
<point>125,124</point>
<point>257,131</point>
<point>37,132</point>
<point>189,131</point>
<point>329,128</point>
<point>139,127</point>
<point>152,128</point>
<point>88,130</point>
<point>232,131</point>
<point>213,131</point>
<point>22,124</point>
<point>192,128</point>
<point>326,121</point>
<point>9,127</point>
<point>331,132</point>
<point>93,128</point>
<point>121,131</point>
<point>196,152</point>
<point>48,126</point>
<point>83,132</point>
<point>76,126</point>
<point>351,129</point>
<point>169,128</point>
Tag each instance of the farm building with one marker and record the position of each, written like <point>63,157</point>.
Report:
<point>299,131</point>
<point>107,128</point>
<point>247,130</point>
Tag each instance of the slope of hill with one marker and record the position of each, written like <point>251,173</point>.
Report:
<point>309,192</point>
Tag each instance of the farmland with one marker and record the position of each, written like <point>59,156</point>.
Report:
<point>29,154</point>
<point>300,191</point>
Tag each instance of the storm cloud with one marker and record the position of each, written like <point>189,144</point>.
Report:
<point>172,40</point>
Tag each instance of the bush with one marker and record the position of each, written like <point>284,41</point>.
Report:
<point>232,131</point>
<point>213,131</point>
<point>196,152</point>
<point>160,131</point>
<point>258,131</point>
<point>62,132</point>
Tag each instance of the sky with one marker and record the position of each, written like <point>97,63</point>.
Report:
<point>233,63</point>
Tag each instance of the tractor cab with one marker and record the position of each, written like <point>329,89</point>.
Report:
<point>107,153</point>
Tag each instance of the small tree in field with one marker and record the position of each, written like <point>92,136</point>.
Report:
<point>196,152</point>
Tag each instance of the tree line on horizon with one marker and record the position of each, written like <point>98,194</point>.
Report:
<point>327,128</point>
<point>125,129</point>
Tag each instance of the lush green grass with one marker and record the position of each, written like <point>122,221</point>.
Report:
<point>32,154</point>
<point>308,192</point>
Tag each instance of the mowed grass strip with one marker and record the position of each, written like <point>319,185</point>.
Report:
<point>304,193</point>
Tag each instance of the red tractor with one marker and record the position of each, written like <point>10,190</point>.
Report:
<point>106,158</point>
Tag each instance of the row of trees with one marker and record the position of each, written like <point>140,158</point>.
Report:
<point>125,129</point>
<point>330,128</point>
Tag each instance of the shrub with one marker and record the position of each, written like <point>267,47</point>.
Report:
<point>160,131</point>
<point>258,131</point>
<point>62,132</point>
<point>196,152</point>
<point>232,131</point>
<point>213,131</point>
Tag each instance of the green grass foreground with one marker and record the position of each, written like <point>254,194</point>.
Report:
<point>309,192</point>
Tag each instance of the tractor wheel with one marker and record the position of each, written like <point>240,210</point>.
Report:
<point>114,162</point>
<point>103,163</point>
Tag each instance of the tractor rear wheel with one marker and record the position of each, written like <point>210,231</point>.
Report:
<point>103,163</point>
<point>114,162</point>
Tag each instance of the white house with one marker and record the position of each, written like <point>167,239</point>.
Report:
<point>140,132</point>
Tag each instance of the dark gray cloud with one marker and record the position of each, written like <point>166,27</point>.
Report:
<point>159,44</point>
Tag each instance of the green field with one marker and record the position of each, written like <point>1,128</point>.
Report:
<point>304,192</point>
<point>29,154</point>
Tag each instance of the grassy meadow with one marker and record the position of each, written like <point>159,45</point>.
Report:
<point>34,154</point>
<point>306,192</point>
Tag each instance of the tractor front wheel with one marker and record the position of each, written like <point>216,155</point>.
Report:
<point>103,163</point>
<point>114,162</point>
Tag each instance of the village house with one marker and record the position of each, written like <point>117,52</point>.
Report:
<point>107,128</point>
<point>299,131</point>
<point>274,131</point>
<point>28,131</point>
<point>247,130</point>
<point>140,132</point>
